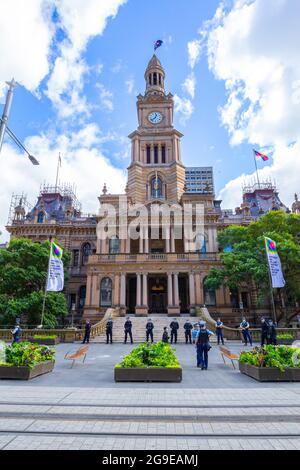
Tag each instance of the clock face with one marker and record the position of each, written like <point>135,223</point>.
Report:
<point>155,117</point>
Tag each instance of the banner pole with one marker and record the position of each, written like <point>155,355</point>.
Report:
<point>271,286</point>
<point>46,283</point>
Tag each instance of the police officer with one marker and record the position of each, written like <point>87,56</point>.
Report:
<point>244,326</point>
<point>16,332</point>
<point>219,331</point>
<point>128,330</point>
<point>109,328</point>
<point>87,332</point>
<point>149,330</point>
<point>188,331</point>
<point>203,346</point>
<point>271,333</point>
<point>264,331</point>
<point>174,325</point>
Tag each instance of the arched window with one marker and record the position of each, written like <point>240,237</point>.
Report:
<point>106,292</point>
<point>114,245</point>
<point>209,296</point>
<point>86,251</point>
<point>41,217</point>
<point>156,187</point>
<point>82,294</point>
<point>155,78</point>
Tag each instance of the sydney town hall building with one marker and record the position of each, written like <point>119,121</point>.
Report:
<point>130,255</point>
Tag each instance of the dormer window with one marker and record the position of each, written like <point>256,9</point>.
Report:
<point>40,217</point>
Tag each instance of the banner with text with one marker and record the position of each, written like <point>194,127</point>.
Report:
<point>274,264</point>
<point>55,281</point>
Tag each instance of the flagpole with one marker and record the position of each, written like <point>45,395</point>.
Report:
<point>57,171</point>
<point>271,288</point>
<point>46,283</point>
<point>256,168</point>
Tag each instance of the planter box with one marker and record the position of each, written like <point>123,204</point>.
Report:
<point>270,374</point>
<point>285,342</point>
<point>45,342</point>
<point>24,372</point>
<point>148,374</point>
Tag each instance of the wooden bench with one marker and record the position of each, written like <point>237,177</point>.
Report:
<point>79,354</point>
<point>225,352</point>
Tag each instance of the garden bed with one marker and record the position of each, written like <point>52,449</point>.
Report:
<point>149,363</point>
<point>45,341</point>
<point>149,374</point>
<point>25,372</point>
<point>270,374</point>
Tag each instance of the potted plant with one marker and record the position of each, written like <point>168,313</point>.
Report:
<point>48,340</point>
<point>285,338</point>
<point>271,363</point>
<point>149,363</point>
<point>26,360</point>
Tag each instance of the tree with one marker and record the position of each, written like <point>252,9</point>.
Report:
<point>23,274</point>
<point>245,262</point>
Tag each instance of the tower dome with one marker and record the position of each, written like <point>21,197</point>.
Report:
<point>155,77</point>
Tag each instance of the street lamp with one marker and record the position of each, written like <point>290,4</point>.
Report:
<point>3,123</point>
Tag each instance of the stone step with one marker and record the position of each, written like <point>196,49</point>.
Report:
<point>139,328</point>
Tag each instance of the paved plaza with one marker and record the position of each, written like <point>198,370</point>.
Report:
<point>83,408</point>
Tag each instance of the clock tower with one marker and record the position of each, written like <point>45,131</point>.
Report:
<point>156,171</point>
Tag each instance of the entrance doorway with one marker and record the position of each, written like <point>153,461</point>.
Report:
<point>183,281</point>
<point>131,294</point>
<point>157,294</point>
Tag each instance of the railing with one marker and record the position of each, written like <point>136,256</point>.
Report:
<point>66,335</point>
<point>141,257</point>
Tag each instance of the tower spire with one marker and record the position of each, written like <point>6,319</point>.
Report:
<point>155,77</point>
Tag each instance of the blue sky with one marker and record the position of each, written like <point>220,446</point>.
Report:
<point>104,68</point>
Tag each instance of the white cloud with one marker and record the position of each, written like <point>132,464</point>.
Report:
<point>184,107</point>
<point>26,34</point>
<point>82,162</point>
<point>254,49</point>
<point>106,97</point>
<point>194,50</point>
<point>130,85</point>
<point>81,20</point>
<point>189,85</point>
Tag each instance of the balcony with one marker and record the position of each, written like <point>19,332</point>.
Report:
<point>150,257</point>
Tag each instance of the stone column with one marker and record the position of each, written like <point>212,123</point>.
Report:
<point>159,154</point>
<point>146,240</point>
<point>172,240</point>
<point>167,232</point>
<point>176,290</point>
<point>170,290</point>
<point>152,154</point>
<point>192,289</point>
<point>141,241</point>
<point>145,290</point>
<point>116,292</point>
<point>127,244</point>
<point>138,289</point>
<point>123,290</point>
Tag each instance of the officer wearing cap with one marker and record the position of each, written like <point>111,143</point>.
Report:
<point>174,325</point>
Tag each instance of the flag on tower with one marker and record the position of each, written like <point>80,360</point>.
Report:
<point>157,44</point>
<point>261,155</point>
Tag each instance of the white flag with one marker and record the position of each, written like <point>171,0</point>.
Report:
<point>274,264</point>
<point>55,282</point>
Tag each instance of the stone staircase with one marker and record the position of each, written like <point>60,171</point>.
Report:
<point>139,328</point>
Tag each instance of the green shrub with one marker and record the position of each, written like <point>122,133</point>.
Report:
<point>44,337</point>
<point>28,354</point>
<point>270,356</point>
<point>285,336</point>
<point>151,355</point>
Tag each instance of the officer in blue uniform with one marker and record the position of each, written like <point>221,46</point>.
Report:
<point>149,330</point>
<point>188,332</point>
<point>16,332</point>
<point>128,330</point>
<point>203,346</point>
<point>109,329</point>
<point>244,326</point>
<point>174,325</point>
<point>219,331</point>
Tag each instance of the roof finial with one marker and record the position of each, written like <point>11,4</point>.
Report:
<point>104,190</point>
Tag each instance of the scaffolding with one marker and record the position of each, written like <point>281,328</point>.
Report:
<point>254,186</point>
<point>19,207</point>
<point>66,191</point>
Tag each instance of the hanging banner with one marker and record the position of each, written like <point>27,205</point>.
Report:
<point>55,282</point>
<point>274,264</point>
